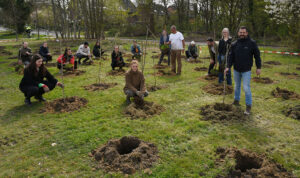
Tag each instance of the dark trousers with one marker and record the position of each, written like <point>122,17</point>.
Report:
<point>163,53</point>
<point>47,58</point>
<point>80,56</point>
<point>116,64</point>
<point>188,55</point>
<point>211,66</point>
<point>31,90</point>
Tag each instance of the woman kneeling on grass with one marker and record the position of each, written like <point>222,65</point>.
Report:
<point>66,60</point>
<point>33,83</point>
<point>135,82</point>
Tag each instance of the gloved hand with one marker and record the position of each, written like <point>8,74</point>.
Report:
<point>45,87</point>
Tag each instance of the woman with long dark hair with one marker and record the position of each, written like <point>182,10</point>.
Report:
<point>97,49</point>
<point>66,60</point>
<point>34,83</point>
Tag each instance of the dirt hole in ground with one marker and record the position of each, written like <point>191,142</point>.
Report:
<point>164,73</point>
<point>218,89</point>
<point>13,57</point>
<point>99,86</point>
<point>153,88</point>
<point>127,155</point>
<point>292,75</point>
<point>116,72</point>
<point>297,68</point>
<point>250,164</point>
<point>73,73</point>
<point>200,69</point>
<point>285,94</point>
<point>6,141</point>
<point>220,112</point>
<point>293,112</point>
<point>143,109</point>
<point>157,66</point>
<point>273,62</point>
<point>2,88</point>
<point>68,104</point>
<point>265,80</point>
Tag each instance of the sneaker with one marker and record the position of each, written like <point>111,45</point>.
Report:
<point>248,110</point>
<point>40,98</point>
<point>236,103</point>
<point>27,101</point>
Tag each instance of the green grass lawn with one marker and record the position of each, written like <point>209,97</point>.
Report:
<point>186,142</point>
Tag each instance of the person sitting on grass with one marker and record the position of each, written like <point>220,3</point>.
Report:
<point>33,83</point>
<point>25,54</point>
<point>192,52</point>
<point>83,52</point>
<point>117,59</point>
<point>66,60</point>
<point>97,49</point>
<point>136,51</point>
<point>135,83</point>
<point>44,52</point>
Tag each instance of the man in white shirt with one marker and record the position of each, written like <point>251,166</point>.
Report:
<point>177,47</point>
<point>83,52</point>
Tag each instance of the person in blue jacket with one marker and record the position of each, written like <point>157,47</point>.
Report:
<point>164,47</point>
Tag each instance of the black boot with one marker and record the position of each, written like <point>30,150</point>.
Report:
<point>236,103</point>
<point>40,98</point>
<point>27,101</point>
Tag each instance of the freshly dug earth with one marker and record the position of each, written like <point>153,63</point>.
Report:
<point>73,73</point>
<point>156,66</point>
<point>117,72</point>
<point>4,52</point>
<point>139,109</point>
<point>221,112</point>
<point>218,89</point>
<point>293,112</point>
<point>59,105</point>
<point>289,75</point>
<point>285,94</point>
<point>265,80</point>
<point>88,63</point>
<point>273,62</point>
<point>99,86</point>
<point>250,164</point>
<point>153,88</point>
<point>127,155</point>
<point>13,57</point>
<point>200,69</point>
<point>164,73</point>
<point>297,68</point>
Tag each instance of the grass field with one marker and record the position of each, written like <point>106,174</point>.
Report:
<point>186,142</point>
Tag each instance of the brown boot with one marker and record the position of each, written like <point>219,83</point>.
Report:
<point>236,103</point>
<point>248,110</point>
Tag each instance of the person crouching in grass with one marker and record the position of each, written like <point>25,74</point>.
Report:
<point>66,60</point>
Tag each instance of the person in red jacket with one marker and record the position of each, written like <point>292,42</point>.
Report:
<point>66,60</point>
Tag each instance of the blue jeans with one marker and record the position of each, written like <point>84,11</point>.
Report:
<point>246,77</point>
<point>221,59</point>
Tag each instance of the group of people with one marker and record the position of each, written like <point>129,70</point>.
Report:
<point>238,54</point>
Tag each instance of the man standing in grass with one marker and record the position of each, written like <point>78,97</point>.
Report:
<point>177,47</point>
<point>241,57</point>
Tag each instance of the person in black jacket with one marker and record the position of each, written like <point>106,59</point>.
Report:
<point>97,49</point>
<point>44,52</point>
<point>117,59</point>
<point>241,57</point>
<point>33,83</point>
<point>223,49</point>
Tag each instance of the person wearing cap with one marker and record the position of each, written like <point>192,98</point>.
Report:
<point>164,48</point>
<point>83,52</point>
<point>177,47</point>
<point>192,52</point>
<point>241,58</point>
<point>223,50</point>
<point>213,52</point>
<point>136,51</point>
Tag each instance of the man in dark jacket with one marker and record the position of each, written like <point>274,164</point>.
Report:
<point>192,52</point>
<point>44,52</point>
<point>117,59</point>
<point>25,54</point>
<point>241,57</point>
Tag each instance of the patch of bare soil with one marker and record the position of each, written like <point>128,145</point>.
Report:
<point>88,63</point>
<point>157,66</point>
<point>13,57</point>
<point>4,52</point>
<point>6,141</point>
<point>99,86</point>
<point>293,112</point>
<point>127,155</point>
<point>292,75</point>
<point>284,94</point>
<point>153,88</point>
<point>143,109</point>
<point>250,164</point>
<point>200,68</point>
<point>273,62</point>
<point>164,73</point>
<point>68,105</point>
<point>264,80</point>
<point>297,68</point>
<point>218,89</point>
<point>221,112</point>
<point>73,73</point>
<point>116,72</point>
<point>194,61</point>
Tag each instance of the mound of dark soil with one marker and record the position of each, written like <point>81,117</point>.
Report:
<point>73,73</point>
<point>116,72</point>
<point>285,94</point>
<point>13,57</point>
<point>273,62</point>
<point>218,89</point>
<point>157,66</point>
<point>164,73</point>
<point>68,105</point>
<point>127,155</point>
<point>200,69</point>
<point>153,88</point>
<point>297,68</point>
<point>99,86</point>
<point>250,164</point>
<point>264,80</point>
<point>289,75</point>
<point>88,63</point>
<point>220,112</point>
<point>293,112</point>
<point>143,109</point>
